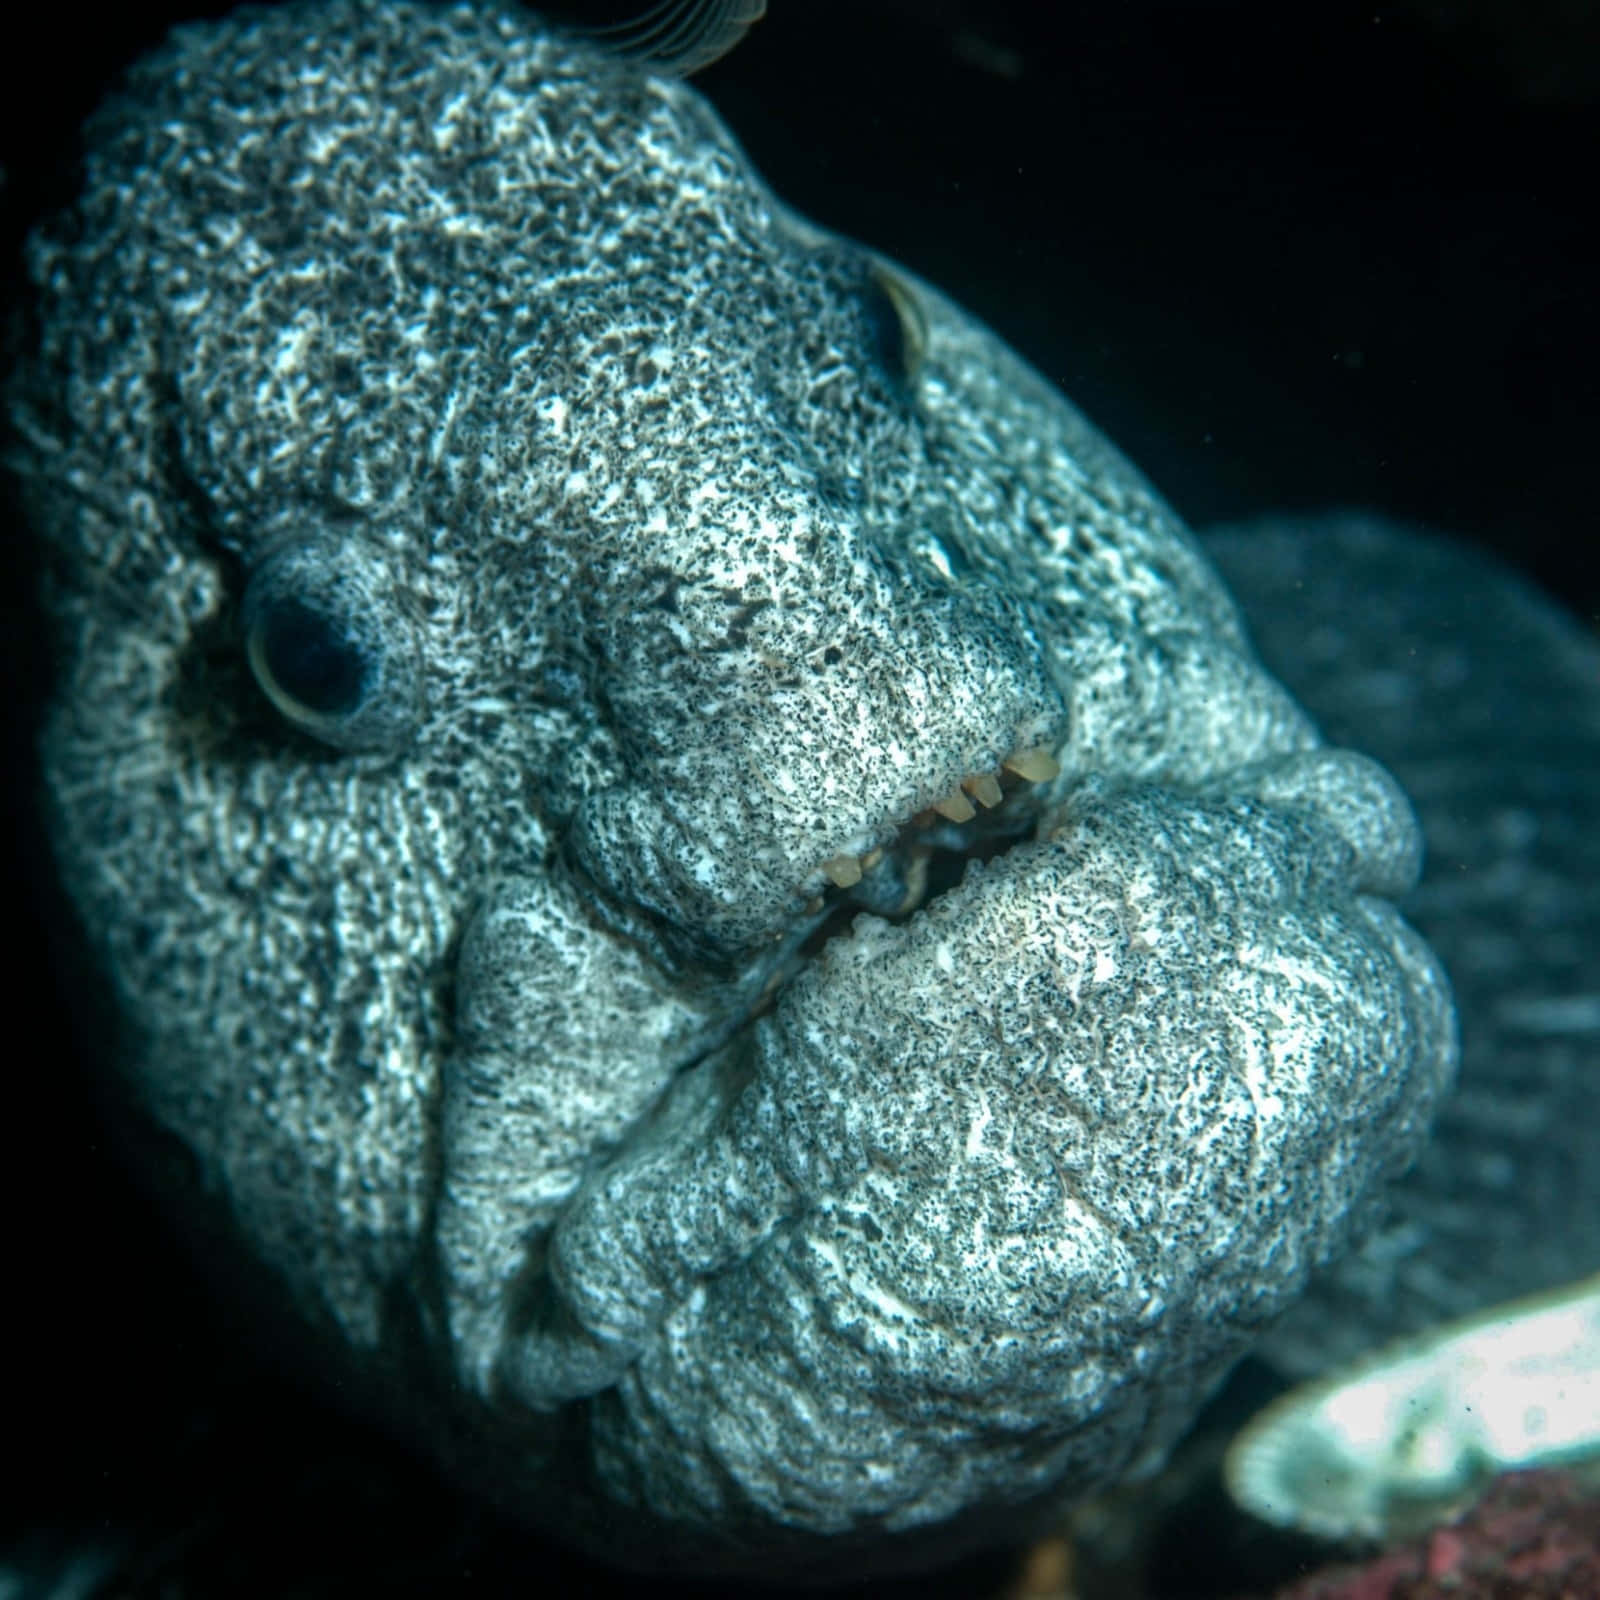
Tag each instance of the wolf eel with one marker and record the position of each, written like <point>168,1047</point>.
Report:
<point>707,877</point>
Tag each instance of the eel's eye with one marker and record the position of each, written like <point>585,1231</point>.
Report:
<point>898,330</point>
<point>307,665</point>
<point>329,646</point>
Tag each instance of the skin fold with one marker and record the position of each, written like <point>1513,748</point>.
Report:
<point>707,875</point>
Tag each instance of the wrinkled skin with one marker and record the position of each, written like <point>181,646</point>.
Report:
<point>511,580</point>
<point>1485,696</point>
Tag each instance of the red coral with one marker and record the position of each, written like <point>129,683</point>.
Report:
<point>1533,1536</point>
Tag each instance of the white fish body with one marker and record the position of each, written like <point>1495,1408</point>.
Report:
<point>1425,1420</point>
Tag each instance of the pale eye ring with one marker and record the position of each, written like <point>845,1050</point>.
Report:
<point>899,329</point>
<point>329,646</point>
<point>307,664</point>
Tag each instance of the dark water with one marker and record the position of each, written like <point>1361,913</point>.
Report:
<point>1286,256</point>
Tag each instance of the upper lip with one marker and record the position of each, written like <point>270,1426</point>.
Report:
<point>926,851</point>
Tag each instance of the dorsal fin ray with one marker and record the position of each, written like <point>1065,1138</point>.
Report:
<point>679,37</point>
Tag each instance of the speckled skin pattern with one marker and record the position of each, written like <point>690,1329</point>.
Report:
<point>1484,697</point>
<point>511,578</point>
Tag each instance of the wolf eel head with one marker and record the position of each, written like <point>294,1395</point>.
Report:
<point>653,798</point>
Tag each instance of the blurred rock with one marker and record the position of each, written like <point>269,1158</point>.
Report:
<point>1533,1536</point>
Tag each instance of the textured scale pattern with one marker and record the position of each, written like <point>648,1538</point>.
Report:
<point>816,995</point>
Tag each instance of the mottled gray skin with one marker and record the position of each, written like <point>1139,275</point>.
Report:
<point>1484,698</point>
<point>681,549</point>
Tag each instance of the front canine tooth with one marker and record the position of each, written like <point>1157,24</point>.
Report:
<point>872,858</point>
<point>985,789</point>
<point>844,872</point>
<point>1036,765</point>
<point>955,806</point>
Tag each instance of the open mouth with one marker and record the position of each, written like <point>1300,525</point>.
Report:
<point>982,817</point>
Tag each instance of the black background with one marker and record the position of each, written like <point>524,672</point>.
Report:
<point>1287,253</point>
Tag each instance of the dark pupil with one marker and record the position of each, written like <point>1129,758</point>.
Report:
<point>310,660</point>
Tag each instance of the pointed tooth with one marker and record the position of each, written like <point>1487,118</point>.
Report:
<point>1036,765</point>
<point>985,789</point>
<point>872,858</point>
<point>916,871</point>
<point>843,872</point>
<point>955,806</point>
